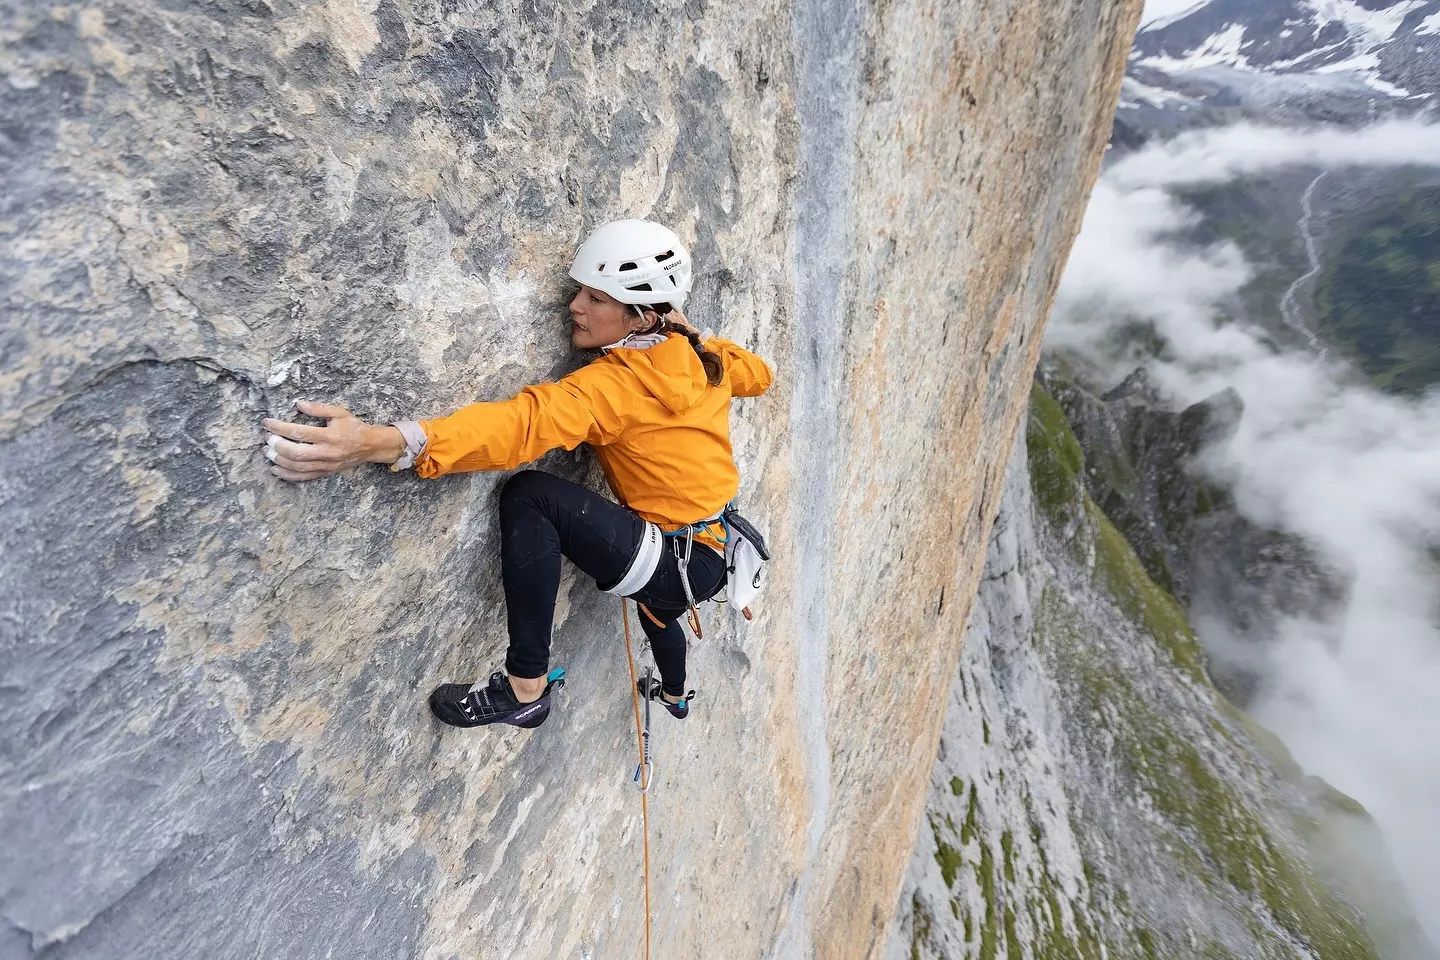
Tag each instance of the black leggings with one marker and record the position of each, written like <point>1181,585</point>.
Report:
<point>543,517</point>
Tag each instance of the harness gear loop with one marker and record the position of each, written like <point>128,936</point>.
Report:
<point>642,736</point>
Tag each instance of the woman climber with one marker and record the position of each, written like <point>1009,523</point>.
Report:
<point>654,406</point>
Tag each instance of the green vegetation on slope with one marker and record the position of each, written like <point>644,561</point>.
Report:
<point>1055,457</point>
<point>1147,604</point>
<point>1379,295</point>
<point>1220,838</point>
<point>946,856</point>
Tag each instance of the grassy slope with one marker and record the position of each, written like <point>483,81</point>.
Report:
<point>1379,295</point>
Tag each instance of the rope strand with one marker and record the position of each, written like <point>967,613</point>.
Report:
<point>644,767</point>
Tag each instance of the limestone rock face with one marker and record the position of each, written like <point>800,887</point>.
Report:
<point>213,683</point>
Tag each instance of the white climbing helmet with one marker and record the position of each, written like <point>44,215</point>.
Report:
<point>635,261</point>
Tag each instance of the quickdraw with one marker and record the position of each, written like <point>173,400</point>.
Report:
<point>645,769</point>
<point>682,559</point>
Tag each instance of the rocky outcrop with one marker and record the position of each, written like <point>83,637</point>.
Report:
<point>1144,470</point>
<point>217,741</point>
<point>1140,469</point>
<point>1095,796</point>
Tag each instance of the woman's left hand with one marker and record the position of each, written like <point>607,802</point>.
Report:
<point>678,319</point>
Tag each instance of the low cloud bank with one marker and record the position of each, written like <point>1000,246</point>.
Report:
<point>1219,155</point>
<point>1319,453</point>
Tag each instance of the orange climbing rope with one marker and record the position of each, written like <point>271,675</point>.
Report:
<point>644,769</point>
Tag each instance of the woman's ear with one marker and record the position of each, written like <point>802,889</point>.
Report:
<point>643,321</point>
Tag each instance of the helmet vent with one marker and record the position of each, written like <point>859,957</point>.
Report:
<point>662,257</point>
<point>627,265</point>
<point>640,286</point>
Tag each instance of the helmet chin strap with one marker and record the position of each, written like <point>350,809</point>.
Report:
<point>638,339</point>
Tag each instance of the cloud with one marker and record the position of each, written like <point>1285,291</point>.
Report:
<point>1318,453</point>
<point>1216,156</point>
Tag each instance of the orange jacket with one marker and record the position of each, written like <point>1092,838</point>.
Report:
<point>660,431</point>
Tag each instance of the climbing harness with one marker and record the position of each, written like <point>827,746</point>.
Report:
<point>642,567</point>
<point>745,557</point>
<point>644,772</point>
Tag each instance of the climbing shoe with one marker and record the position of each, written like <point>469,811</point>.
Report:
<point>471,705</point>
<point>654,691</point>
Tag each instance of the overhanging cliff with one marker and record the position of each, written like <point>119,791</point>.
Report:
<point>213,683</point>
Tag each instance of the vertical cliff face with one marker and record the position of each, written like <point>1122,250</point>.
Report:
<point>1095,796</point>
<point>214,682</point>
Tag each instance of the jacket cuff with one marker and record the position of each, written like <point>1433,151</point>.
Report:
<point>415,442</point>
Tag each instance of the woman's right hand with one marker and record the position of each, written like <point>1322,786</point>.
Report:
<point>301,452</point>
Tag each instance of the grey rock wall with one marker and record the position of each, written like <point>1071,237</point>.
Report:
<point>213,684</point>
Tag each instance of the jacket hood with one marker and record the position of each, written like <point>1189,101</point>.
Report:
<point>670,371</point>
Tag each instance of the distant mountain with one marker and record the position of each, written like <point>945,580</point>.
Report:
<point>1282,61</point>
<point>1299,63</point>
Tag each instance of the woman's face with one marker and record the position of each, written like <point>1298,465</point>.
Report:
<point>598,319</point>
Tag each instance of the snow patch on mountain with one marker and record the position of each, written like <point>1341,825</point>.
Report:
<point>1163,21</point>
<point>1285,61</point>
<point>1372,27</point>
<point>1221,49</point>
<point>1133,92</point>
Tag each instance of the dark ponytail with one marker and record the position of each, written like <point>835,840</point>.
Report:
<point>714,367</point>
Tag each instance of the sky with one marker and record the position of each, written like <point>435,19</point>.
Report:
<point>1319,453</point>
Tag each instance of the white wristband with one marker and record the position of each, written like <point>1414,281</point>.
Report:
<point>415,441</point>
